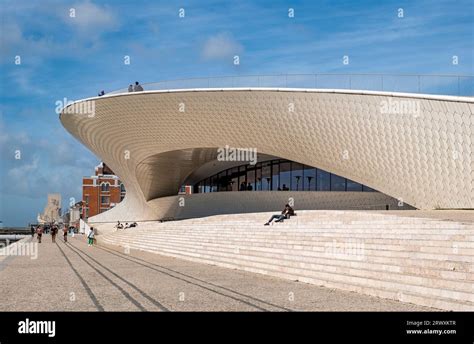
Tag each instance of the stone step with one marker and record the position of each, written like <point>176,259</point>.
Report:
<point>415,251</point>
<point>428,262</point>
<point>282,227</point>
<point>364,285</point>
<point>312,231</point>
<point>296,239</point>
<point>447,266</point>
<point>351,235</point>
<point>287,224</point>
<point>463,271</point>
<point>294,256</point>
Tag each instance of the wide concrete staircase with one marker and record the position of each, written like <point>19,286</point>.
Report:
<point>422,261</point>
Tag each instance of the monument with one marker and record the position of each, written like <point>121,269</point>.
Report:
<point>52,211</point>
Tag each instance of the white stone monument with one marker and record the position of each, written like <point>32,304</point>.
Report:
<point>52,211</point>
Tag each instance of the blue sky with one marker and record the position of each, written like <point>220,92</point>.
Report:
<point>73,58</point>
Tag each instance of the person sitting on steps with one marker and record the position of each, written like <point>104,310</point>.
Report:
<point>118,225</point>
<point>285,214</point>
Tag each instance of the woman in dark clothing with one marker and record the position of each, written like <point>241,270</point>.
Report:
<point>285,214</point>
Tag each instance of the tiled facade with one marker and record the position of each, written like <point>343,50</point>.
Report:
<point>423,158</point>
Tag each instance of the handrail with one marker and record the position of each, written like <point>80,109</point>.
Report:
<point>446,84</point>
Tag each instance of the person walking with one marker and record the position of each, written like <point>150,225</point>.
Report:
<point>90,236</point>
<point>54,231</point>
<point>39,233</point>
<point>65,230</point>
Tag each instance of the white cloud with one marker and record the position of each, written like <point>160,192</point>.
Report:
<point>90,17</point>
<point>22,77</point>
<point>221,46</point>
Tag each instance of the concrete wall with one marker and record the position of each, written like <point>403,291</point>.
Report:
<point>262,201</point>
<point>207,204</point>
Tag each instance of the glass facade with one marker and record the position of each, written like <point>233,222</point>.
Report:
<point>277,175</point>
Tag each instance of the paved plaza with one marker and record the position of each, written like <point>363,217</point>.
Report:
<point>75,277</point>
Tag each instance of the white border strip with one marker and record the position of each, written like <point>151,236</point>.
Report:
<point>301,90</point>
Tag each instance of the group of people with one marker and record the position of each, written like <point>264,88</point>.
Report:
<point>249,187</point>
<point>53,228</point>
<point>131,88</point>
<point>127,225</point>
<point>46,228</point>
<point>284,188</point>
<point>135,88</point>
<point>244,187</point>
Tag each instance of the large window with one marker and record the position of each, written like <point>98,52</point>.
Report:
<point>309,182</point>
<point>297,176</point>
<point>214,183</point>
<point>338,183</point>
<point>105,187</point>
<point>353,186</point>
<point>278,174</point>
<point>234,179</point>
<point>251,173</point>
<point>285,176</point>
<point>275,175</point>
<point>258,177</point>
<point>266,176</point>
<point>223,182</point>
<point>323,180</point>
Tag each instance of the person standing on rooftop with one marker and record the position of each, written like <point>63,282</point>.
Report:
<point>130,88</point>
<point>137,87</point>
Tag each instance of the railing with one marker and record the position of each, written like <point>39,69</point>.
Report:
<point>460,85</point>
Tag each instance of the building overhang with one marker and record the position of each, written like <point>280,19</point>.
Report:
<point>424,159</point>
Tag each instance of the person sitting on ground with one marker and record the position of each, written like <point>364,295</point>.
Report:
<point>119,225</point>
<point>249,187</point>
<point>242,187</point>
<point>126,225</point>
<point>130,88</point>
<point>101,93</point>
<point>133,224</point>
<point>137,87</point>
<point>285,214</point>
<point>285,188</point>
